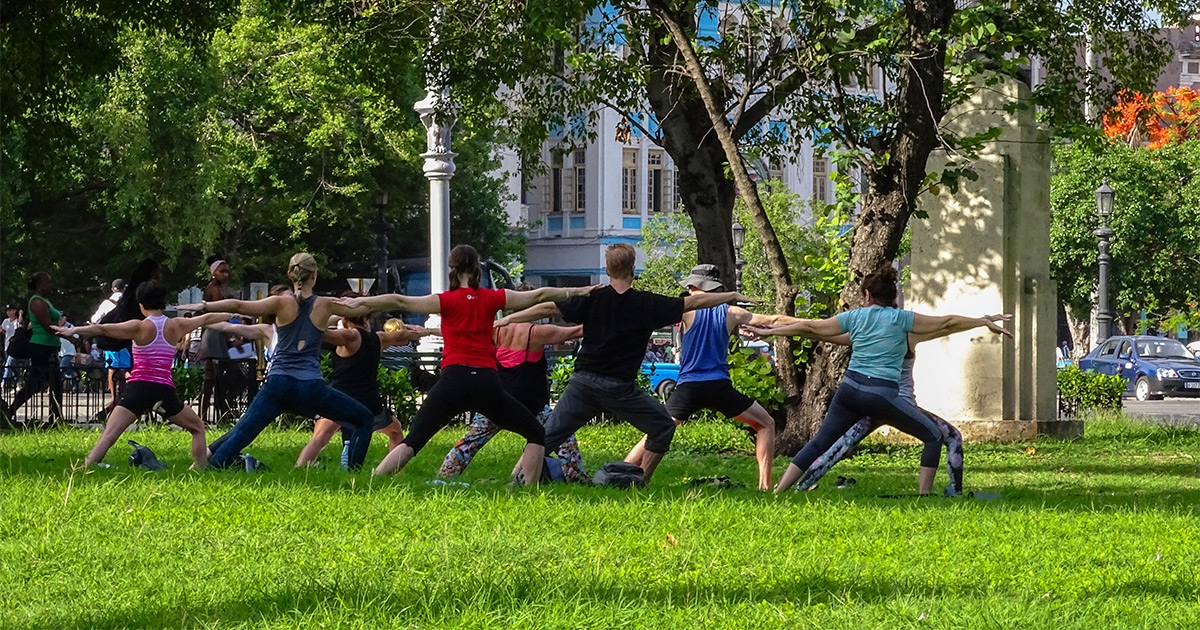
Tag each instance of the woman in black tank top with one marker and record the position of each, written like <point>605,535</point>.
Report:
<point>355,359</point>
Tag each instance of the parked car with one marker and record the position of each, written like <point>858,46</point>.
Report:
<point>1195,348</point>
<point>1152,367</point>
<point>663,377</point>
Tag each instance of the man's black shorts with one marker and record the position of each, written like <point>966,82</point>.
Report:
<point>140,397</point>
<point>720,396</point>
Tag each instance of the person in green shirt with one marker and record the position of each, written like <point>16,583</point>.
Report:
<point>44,346</point>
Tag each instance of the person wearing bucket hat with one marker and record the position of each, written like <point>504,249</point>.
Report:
<point>704,381</point>
<point>617,323</point>
<point>295,382</point>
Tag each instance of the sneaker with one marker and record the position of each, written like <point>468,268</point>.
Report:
<point>252,464</point>
<point>143,457</point>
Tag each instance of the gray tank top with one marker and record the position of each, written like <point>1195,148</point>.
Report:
<point>906,381</point>
<point>298,346</point>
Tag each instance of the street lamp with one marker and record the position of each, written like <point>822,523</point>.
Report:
<point>381,241</point>
<point>739,239</point>
<point>1104,206</point>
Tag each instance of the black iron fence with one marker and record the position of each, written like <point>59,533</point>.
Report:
<point>79,393</point>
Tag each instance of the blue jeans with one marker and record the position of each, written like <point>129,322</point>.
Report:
<point>307,398</point>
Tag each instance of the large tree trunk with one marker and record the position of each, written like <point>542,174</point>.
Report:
<point>891,198</point>
<point>689,138</point>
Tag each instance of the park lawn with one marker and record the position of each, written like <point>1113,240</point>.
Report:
<point>1099,533</point>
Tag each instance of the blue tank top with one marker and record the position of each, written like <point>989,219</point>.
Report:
<point>704,351</point>
<point>301,362</point>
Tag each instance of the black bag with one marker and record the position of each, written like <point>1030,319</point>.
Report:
<point>18,346</point>
<point>108,344</point>
<point>620,475</point>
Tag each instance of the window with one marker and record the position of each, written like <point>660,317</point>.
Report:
<point>1193,67</point>
<point>629,177</point>
<point>821,180</point>
<point>678,203</point>
<point>553,197</point>
<point>1109,349</point>
<point>870,77</point>
<point>1125,351</point>
<point>654,180</point>
<point>580,180</point>
<point>775,169</point>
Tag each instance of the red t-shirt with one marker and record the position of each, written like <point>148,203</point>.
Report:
<point>468,316</point>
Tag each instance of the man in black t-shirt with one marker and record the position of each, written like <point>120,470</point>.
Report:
<point>617,323</point>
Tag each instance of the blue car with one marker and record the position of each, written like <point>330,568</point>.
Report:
<point>663,377</point>
<point>1152,367</point>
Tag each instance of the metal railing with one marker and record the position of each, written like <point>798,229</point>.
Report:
<point>85,392</point>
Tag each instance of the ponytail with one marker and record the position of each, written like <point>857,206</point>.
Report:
<point>301,268</point>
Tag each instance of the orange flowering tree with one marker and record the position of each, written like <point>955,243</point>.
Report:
<point>1155,121</point>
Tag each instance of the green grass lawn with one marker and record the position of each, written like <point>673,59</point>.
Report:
<point>1101,533</point>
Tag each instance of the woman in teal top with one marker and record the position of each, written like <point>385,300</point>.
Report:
<point>879,341</point>
<point>43,350</point>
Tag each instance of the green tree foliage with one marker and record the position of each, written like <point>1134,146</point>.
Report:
<point>248,130</point>
<point>1156,220</point>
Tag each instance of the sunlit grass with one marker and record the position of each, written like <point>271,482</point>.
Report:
<point>1100,533</point>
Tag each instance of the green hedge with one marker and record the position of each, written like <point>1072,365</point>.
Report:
<point>1088,391</point>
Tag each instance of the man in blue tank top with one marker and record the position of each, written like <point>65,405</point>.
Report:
<point>704,381</point>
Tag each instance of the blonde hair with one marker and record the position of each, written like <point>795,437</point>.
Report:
<point>619,260</point>
<point>301,268</point>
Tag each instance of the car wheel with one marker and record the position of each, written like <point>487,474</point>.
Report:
<point>1141,390</point>
<point>665,388</point>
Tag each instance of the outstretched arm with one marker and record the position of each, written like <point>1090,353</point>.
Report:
<point>185,325</point>
<point>698,301</point>
<point>517,300</point>
<point>820,329</point>
<point>403,336</point>
<point>253,332</point>
<point>124,330</point>
<point>927,327</point>
<point>532,314</point>
<point>353,307</point>
<point>553,335</point>
<point>254,308</point>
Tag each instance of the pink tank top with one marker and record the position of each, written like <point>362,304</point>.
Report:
<point>152,362</point>
<point>512,357</point>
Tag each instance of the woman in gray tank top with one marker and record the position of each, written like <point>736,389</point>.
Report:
<point>295,382</point>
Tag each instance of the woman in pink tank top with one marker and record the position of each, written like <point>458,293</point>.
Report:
<point>150,385</point>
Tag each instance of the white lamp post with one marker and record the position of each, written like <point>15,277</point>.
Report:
<point>438,114</point>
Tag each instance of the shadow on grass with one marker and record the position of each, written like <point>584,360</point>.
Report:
<point>540,592</point>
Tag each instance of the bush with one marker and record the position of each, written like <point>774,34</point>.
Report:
<point>188,381</point>
<point>1088,391</point>
<point>753,376</point>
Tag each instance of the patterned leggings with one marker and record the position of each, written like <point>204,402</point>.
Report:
<point>950,435</point>
<point>481,431</point>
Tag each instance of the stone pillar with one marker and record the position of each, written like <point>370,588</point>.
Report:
<point>986,249</point>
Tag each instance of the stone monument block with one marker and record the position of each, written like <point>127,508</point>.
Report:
<point>986,249</point>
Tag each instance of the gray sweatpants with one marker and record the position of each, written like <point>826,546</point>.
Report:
<point>587,395</point>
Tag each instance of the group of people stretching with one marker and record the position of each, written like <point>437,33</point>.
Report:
<point>497,369</point>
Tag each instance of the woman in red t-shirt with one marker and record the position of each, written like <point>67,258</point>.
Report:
<point>469,380</point>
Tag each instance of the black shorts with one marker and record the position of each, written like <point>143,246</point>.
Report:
<point>140,397</point>
<point>720,396</point>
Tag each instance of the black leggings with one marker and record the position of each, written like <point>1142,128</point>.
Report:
<point>859,396</point>
<point>463,388</point>
<point>43,373</point>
